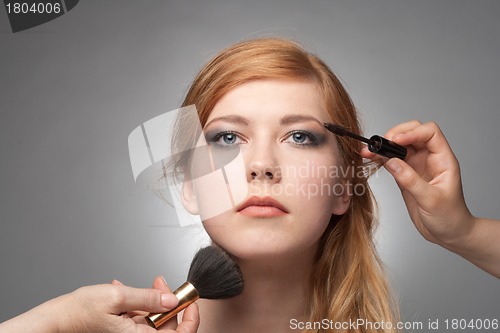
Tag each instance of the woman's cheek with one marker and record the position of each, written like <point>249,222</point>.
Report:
<point>317,180</point>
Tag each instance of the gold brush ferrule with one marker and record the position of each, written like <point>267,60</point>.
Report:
<point>186,294</point>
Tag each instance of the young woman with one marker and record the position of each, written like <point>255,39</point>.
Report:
<point>303,240</point>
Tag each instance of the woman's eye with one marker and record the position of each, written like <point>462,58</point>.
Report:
<point>226,139</point>
<point>301,138</point>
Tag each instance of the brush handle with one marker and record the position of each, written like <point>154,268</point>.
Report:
<point>186,294</point>
<point>381,146</point>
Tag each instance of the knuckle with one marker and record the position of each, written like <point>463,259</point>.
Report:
<point>116,295</point>
<point>82,293</point>
<point>433,126</point>
<point>409,179</point>
<point>402,128</point>
<point>414,123</point>
<point>151,299</point>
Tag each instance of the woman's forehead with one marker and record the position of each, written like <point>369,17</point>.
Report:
<point>271,98</point>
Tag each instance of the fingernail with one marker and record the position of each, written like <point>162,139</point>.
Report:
<point>164,280</point>
<point>397,137</point>
<point>169,301</point>
<point>115,282</point>
<point>393,165</point>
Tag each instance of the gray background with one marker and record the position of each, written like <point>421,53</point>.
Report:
<point>74,88</point>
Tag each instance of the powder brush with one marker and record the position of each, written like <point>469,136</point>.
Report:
<point>213,275</point>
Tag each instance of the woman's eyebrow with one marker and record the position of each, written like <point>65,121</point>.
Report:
<point>234,119</point>
<point>298,118</point>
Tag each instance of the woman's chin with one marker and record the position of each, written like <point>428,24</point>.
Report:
<point>264,250</point>
<point>263,240</point>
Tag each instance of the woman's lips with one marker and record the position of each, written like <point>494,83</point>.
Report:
<point>262,207</point>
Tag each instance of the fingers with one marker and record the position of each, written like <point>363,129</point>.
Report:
<point>160,284</point>
<point>127,299</point>
<point>415,136</point>
<point>190,320</point>
<point>145,329</point>
<point>428,135</point>
<point>408,179</point>
<point>364,152</point>
<point>402,128</point>
<point>135,315</point>
<point>116,283</point>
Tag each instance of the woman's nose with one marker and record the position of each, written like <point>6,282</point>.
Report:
<point>263,164</point>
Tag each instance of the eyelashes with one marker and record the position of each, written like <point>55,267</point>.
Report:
<point>302,138</point>
<point>227,139</point>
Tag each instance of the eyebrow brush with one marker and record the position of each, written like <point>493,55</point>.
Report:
<point>376,144</point>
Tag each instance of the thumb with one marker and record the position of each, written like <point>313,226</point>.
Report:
<point>408,180</point>
<point>135,299</point>
<point>190,320</point>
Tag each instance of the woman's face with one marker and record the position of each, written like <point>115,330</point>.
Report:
<point>291,166</point>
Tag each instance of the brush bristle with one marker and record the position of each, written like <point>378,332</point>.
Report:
<point>337,129</point>
<point>214,274</point>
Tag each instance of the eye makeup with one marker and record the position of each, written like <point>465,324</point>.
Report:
<point>299,137</point>
<point>376,144</point>
<point>299,130</point>
<point>229,138</point>
<point>304,138</point>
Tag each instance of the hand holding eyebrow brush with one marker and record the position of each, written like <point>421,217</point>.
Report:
<point>430,182</point>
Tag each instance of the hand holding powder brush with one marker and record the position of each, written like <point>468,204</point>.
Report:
<point>213,275</point>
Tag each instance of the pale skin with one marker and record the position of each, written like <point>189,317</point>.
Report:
<point>104,308</point>
<point>275,253</point>
<point>431,186</point>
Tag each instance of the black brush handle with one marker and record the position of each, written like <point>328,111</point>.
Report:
<point>381,146</point>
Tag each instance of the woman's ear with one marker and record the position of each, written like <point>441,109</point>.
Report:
<point>188,197</point>
<point>342,200</point>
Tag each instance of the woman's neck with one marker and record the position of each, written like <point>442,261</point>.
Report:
<point>275,292</point>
